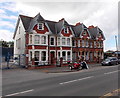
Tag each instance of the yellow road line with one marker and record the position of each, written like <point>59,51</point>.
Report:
<point>111,93</point>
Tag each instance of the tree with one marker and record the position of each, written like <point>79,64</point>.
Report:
<point>6,44</point>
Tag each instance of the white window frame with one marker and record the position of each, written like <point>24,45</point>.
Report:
<point>95,44</point>
<point>74,43</point>
<point>58,56</point>
<point>58,41</point>
<point>78,43</point>
<point>38,25</point>
<point>68,56</point>
<point>83,43</point>
<point>84,33</point>
<point>68,42</point>
<point>91,45</point>
<point>31,39</point>
<point>66,29</point>
<point>42,56</point>
<point>45,39</point>
<point>64,57</point>
<point>50,40</point>
<point>35,39</point>
<point>63,41</point>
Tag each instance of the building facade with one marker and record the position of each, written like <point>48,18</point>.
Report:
<point>42,42</point>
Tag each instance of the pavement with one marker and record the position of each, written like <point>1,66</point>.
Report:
<point>11,65</point>
<point>65,69</point>
<point>47,70</point>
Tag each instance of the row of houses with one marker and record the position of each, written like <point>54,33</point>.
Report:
<point>43,41</point>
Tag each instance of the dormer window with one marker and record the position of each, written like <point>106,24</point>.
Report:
<point>84,33</point>
<point>66,30</point>
<point>40,26</point>
<point>99,34</point>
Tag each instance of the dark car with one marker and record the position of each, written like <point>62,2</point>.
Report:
<point>110,61</point>
<point>118,61</point>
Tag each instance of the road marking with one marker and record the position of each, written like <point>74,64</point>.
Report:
<point>111,72</point>
<point>76,80</point>
<point>20,92</point>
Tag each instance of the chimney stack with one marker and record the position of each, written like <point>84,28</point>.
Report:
<point>78,24</point>
<point>91,27</point>
<point>61,19</point>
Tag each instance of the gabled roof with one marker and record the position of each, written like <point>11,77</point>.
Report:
<point>34,21</point>
<point>94,32</point>
<point>52,26</point>
<point>56,27</point>
<point>26,21</point>
<point>101,32</point>
<point>77,30</point>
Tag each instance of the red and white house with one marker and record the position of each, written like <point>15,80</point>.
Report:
<point>42,42</point>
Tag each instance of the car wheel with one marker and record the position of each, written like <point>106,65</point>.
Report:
<point>102,64</point>
<point>110,64</point>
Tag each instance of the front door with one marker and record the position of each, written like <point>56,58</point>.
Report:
<point>52,57</point>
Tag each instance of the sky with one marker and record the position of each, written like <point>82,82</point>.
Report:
<point>102,13</point>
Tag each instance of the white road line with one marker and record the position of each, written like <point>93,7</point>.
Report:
<point>76,80</point>
<point>111,72</point>
<point>20,92</point>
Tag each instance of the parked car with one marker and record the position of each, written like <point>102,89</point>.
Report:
<point>110,61</point>
<point>118,61</point>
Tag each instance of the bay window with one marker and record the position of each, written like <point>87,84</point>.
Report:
<point>43,40</point>
<point>91,45</point>
<point>58,40</point>
<point>68,41</point>
<point>43,56</point>
<point>37,56</point>
<point>83,44</point>
<point>37,39</point>
<point>64,55</point>
<point>68,55</point>
<point>63,41</point>
<point>94,44</point>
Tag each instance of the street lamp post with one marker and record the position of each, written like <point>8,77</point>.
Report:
<point>116,45</point>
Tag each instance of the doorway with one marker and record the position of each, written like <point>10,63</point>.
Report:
<point>52,57</point>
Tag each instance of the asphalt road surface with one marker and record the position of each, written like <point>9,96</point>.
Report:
<point>95,82</point>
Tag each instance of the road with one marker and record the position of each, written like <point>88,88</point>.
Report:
<point>95,82</point>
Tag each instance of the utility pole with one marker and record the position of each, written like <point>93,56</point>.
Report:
<point>116,43</point>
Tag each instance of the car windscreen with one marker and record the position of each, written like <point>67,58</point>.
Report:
<point>107,60</point>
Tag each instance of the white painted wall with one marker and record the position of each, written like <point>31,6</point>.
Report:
<point>21,50</point>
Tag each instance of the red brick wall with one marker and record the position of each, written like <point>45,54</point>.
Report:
<point>66,48</point>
